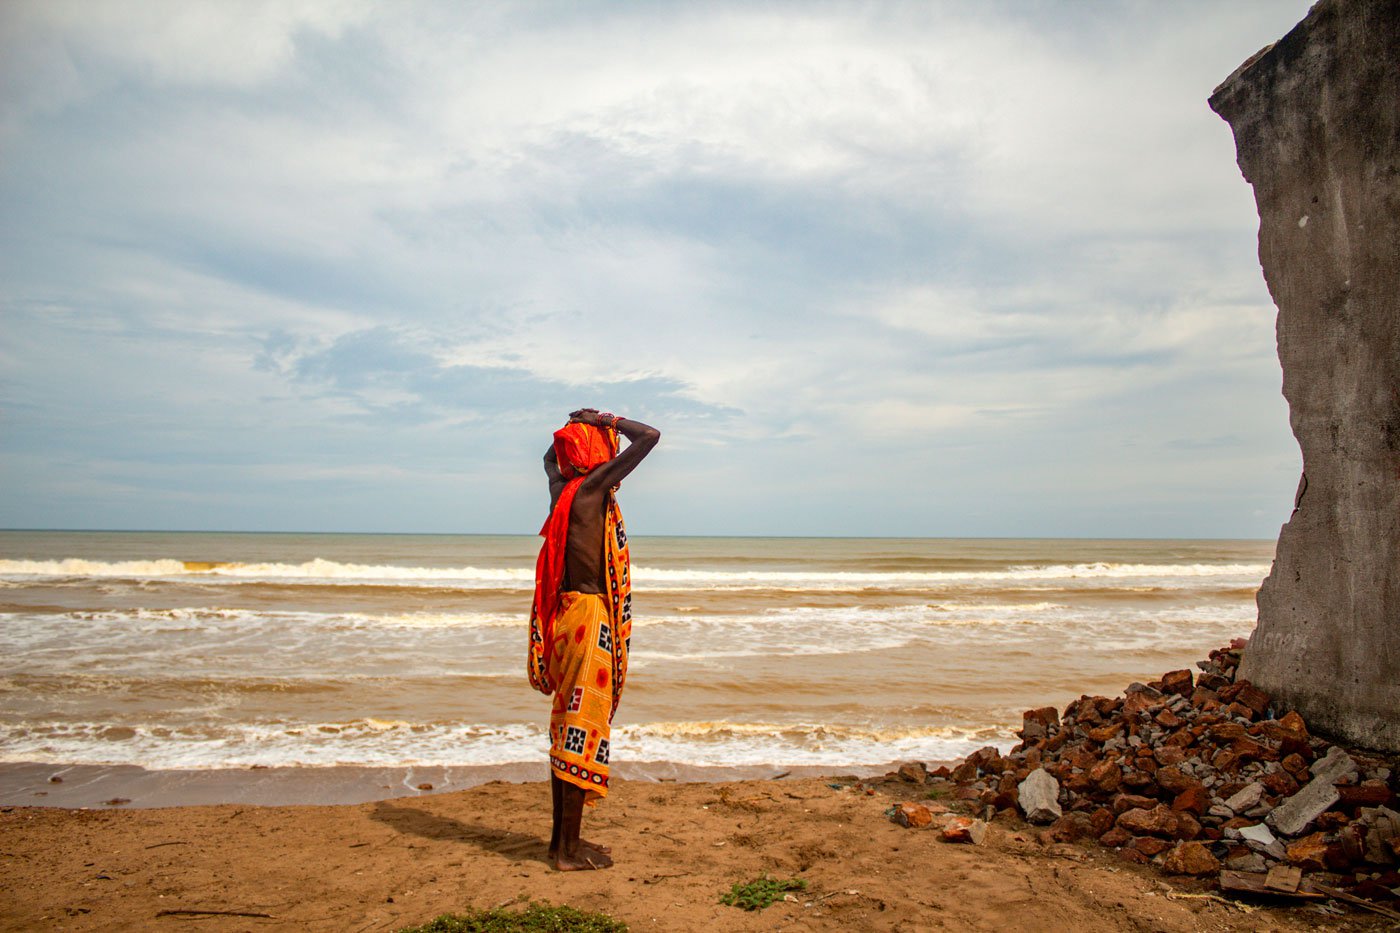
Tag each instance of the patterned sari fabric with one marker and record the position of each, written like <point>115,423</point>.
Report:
<point>579,643</point>
<point>580,721</point>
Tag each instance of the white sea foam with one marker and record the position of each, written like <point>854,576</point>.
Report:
<point>841,579</point>
<point>187,618</point>
<point>391,743</point>
<point>327,572</point>
<point>312,571</point>
<point>310,647</point>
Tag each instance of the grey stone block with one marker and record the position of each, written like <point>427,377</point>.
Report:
<point>1038,796</point>
<point>1333,766</point>
<point>1293,815</point>
<point>1246,798</point>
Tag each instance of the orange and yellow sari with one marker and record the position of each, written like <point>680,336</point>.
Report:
<point>579,641</point>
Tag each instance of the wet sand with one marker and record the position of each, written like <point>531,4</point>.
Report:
<point>385,864</point>
<point>51,785</point>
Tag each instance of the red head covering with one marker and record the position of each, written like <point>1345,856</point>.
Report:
<point>581,447</point>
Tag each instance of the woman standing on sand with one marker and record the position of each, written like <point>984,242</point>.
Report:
<point>581,619</point>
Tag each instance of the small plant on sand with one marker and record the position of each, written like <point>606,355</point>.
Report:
<point>761,892</point>
<point>536,918</point>
<point>937,793</point>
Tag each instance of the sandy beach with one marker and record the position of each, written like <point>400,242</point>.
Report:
<point>390,863</point>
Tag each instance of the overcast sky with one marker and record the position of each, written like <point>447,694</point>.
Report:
<point>872,268</point>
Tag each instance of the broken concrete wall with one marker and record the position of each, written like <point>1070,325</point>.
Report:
<point>1316,118</point>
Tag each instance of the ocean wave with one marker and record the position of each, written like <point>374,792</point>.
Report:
<point>194,617</point>
<point>856,579</point>
<point>320,571</point>
<point>386,742</point>
<point>237,644</point>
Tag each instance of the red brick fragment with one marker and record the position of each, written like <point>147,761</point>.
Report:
<point>1332,820</point>
<point>1204,699</point>
<point>1106,733</point>
<point>1136,703</point>
<point>1068,828</point>
<point>1179,682</point>
<point>1175,780</point>
<point>1106,776</point>
<point>912,815</point>
<point>1194,799</point>
<point>1115,837</point>
<point>1309,853</point>
<point>1107,706</point>
<point>1280,783</point>
<point>1241,711</point>
<point>1210,681</point>
<point>1159,821</point>
<point>1181,738</point>
<point>1226,732</point>
<point>1125,802</point>
<point>1248,748</point>
<point>1366,794</point>
<point>1190,858</point>
<point>1081,758</point>
<point>1136,782</point>
<point>1187,826</point>
<point>1254,698</point>
<point>1169,755</point>
<point>1150,846</point>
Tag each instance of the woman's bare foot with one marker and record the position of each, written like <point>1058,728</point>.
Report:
<point>597,846</point>
<point>587,859</point>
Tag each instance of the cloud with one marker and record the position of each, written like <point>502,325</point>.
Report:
<point>837,252</point>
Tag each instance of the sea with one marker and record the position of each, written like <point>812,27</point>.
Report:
<point>232,650</point>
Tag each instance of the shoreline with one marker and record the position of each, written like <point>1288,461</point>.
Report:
<point>91,786</point>
<point>386,864</point>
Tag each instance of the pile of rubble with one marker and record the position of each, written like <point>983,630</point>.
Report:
<point>1201,776</point>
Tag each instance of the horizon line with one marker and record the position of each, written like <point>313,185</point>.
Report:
<point>518,534</point>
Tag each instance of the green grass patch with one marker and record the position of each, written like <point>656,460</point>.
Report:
<point>761,892</point>
<point>536,918</point>
<point>938,793</point>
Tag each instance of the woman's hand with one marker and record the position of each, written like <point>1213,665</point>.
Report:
<point>592,416</point>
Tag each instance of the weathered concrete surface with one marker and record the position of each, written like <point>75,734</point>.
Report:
<point>1316,118</point>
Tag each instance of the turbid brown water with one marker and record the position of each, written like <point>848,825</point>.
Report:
<point>181,651</point>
